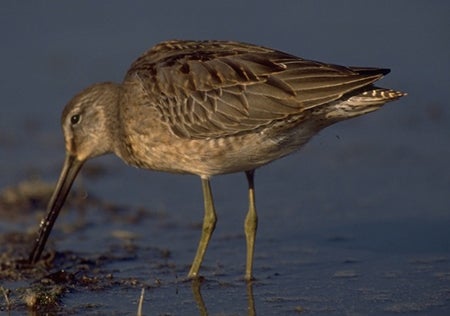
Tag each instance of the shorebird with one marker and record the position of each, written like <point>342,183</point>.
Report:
<point>208,108</point>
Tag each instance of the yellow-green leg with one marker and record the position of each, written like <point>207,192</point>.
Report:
<point>251,225</point>
<point>209,223</point>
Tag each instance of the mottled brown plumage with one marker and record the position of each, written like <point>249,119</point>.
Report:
<point>209,108</point>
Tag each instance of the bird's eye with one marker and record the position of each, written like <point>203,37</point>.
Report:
<point>75,119</point>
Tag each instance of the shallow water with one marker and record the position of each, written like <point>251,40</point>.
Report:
<point>355,223</point>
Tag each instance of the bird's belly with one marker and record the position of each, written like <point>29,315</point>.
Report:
<point>208,157</point>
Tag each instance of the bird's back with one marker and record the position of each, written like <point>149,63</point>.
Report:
<point>205,89</point>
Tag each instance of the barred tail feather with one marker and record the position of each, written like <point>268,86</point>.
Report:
<point>361,103</point>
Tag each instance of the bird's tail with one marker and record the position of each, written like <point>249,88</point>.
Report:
<point>366,100</point>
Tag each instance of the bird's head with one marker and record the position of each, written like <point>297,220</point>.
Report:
<point>88,123</point>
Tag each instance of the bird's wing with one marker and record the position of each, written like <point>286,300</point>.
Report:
<point>215,89</point>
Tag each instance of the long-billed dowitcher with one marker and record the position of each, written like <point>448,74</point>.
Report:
<point>208,108</point>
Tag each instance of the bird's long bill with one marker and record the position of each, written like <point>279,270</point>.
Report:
<point>70,170</point>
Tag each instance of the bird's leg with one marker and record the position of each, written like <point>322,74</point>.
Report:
<point>209,223</point>
<point>251,225</point>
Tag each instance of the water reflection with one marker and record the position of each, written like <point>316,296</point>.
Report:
<point>196,291</point>
<point>250,299</point>
<point>196,284</point>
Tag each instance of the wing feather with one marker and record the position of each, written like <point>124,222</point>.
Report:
<point>216,89</point>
